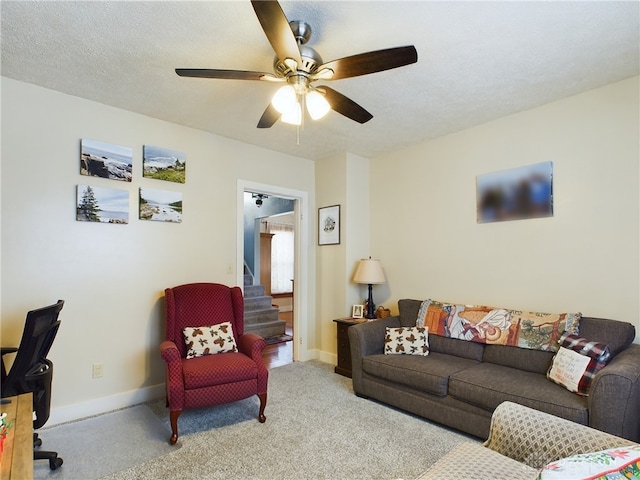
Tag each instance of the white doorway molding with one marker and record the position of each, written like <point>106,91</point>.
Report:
<point>301,260</point>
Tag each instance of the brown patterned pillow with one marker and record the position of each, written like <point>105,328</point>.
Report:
<point>406,341</point>
<point>209,340</point>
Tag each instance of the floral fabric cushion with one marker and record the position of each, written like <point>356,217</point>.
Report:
<point>209,340</point>
<point>612,464</point>
<point>407,341</point>
<point>501,326</point>
<point>577,362</point>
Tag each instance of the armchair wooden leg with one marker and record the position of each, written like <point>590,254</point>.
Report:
<point>173,417</point>
<point>263,403</point>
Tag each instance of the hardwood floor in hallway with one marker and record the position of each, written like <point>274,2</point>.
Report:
<point>280,354</point>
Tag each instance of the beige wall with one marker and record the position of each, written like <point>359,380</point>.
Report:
<point>112,277</point>
<point>584,258</point>
<point>416,214</point>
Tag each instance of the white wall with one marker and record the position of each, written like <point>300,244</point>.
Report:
<point>585,258</point>
<point>112,277</point>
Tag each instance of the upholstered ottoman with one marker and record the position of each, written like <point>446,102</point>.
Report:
<point>521,442</point>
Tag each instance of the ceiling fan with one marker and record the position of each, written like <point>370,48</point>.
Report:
<point>299,66</point>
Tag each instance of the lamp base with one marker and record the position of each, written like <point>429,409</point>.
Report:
<point>370,313</point>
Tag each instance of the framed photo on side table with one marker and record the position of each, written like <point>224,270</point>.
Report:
<point>357,311</point>
<point>329,225</point>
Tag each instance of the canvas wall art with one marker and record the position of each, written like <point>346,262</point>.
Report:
<point>160,205</point>
<point>163,164</point>
<point>515,194</point>
<point>99,159</point>
<point>99,204</point>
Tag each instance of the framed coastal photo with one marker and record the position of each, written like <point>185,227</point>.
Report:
<point>163,164</point>
<point>105,160</point>
<point>103,205</point>
<point>357,311</point>
<point>160,205</point>
<point>515,194</point>
<point>329,225</point>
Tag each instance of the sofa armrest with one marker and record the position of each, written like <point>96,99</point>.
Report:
<point>367,339</point>
<point>252,346</point>
<point>536,438</point>
<point>614,399</point>
<point>175,383</point>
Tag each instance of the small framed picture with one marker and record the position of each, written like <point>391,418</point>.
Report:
<point>329,225</point>
<point>356,311</point>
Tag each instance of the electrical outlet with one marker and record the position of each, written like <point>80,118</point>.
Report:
<point>98,370</point>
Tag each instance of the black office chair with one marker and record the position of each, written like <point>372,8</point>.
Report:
<point>32,372</point>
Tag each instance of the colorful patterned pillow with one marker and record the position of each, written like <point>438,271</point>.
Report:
<point>407,341</point>
<point>499,326</point>
<point>577,362</point>
<point>209,340</point>
<point>614,463</point>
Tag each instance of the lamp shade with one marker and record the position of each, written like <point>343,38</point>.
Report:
<point>317,105</point>
<point>369,271</point>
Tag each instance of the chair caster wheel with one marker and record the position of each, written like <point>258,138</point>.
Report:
<point>54,463</point>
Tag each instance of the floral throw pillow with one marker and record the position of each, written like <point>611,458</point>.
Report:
<point>209,340</point>
<point>577,362</point>
<point>612,464</point>
<point>406,341</point>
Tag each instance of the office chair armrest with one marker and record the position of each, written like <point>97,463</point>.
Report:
<point>5,350</point>
<point>252,345</point>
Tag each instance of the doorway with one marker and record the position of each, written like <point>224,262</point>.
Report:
<point>299,301</point>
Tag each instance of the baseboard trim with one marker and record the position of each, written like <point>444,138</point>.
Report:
<point>98,406</point>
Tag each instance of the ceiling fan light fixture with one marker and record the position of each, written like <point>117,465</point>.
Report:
<point>317,105</point>
<point>293,116</point>
<point>285,99</point>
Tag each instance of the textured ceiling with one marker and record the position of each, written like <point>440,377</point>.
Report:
<point>477,61</point>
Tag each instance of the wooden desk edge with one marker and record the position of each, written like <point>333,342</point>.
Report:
<point>17,457</point>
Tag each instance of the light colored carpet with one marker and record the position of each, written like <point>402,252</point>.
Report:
<point>316,428</point>
<point>101,445</point>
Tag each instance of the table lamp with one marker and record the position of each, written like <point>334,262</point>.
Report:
<point>369,272</point>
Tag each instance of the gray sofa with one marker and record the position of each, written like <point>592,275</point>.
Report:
<point>460,383</point>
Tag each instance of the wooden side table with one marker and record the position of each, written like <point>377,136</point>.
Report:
<point>344,348</point>
<point>17,457</point>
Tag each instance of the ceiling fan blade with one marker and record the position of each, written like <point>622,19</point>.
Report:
<point>276,28</point>
<point>269,117</point>
<point>225,74</point>
<point>345,106</point>
<point>371,62</point>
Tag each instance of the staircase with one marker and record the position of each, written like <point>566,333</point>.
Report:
<point>260,317</point>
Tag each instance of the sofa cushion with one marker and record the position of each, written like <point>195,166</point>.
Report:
<point>406,341</point>
<point>209,340</point>
<point>208,370</point>
<point>473,461</point>
<point>486,385</point>
<point>428,374</point>
<point>536,361</point>
<point>459,348</point>
<point>577,362</point>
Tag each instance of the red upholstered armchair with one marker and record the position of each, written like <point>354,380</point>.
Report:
<point>212,378</point>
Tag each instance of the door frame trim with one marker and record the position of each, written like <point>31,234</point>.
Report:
<point>301,267</point>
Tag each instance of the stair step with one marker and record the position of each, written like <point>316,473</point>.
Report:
<point>258,316</point>
<point>248,279</point>
<point>257,303</point>
<point>253,291</point>
<point>267,329</point>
